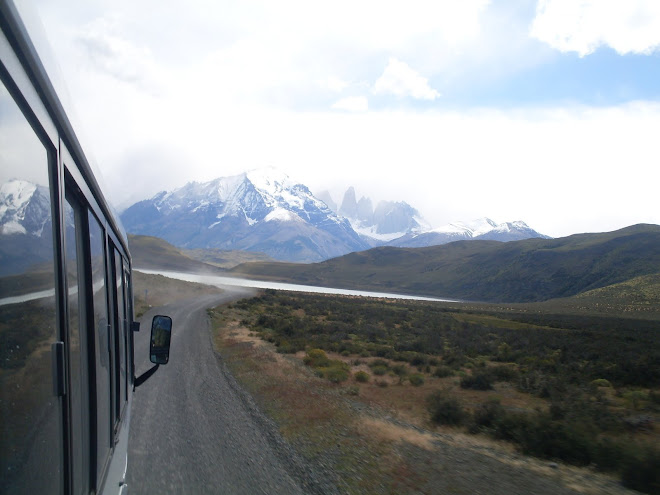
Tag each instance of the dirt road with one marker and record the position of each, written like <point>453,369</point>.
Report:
<point>193,430</point>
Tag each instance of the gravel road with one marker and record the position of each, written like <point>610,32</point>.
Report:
<point>193,430</point>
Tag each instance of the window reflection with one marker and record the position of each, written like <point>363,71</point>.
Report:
<point>30,415</point>
<point>101,344</point>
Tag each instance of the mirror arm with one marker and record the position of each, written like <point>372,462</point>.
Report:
<point>145,376</point>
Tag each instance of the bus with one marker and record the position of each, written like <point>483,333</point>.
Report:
<point>66,298</point>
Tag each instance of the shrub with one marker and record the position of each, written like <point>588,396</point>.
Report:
<point>418,360</point>
<point>416,379</point>
<point>443,371</point>
<point>641,469</point>
<point>332,369</point>
<point>379,370</point>
<point>486,416</point>
<point>379,363</point>
<point>503,373</point>
<point>336,374</point>
<point>352,391</point>
<point>401,371</point>
<point>316,358</point>
<point>362,376</point>
<point>480,381</point>
<point>445,410</point>
<point>543,437</point>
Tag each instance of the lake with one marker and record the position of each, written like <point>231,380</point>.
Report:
<point>218,281</point>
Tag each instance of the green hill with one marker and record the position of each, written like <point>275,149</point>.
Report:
<point>520,271</point>
<point>153,253</point>
<point>225,258</point>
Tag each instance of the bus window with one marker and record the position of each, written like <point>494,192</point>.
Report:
<point>121,374</point>
<point>30,413</point>
<point>101,337</point>
<point>77,347</point>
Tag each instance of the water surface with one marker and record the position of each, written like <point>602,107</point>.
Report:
<point>218,281</point>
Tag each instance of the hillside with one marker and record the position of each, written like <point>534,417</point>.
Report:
<point>225,258</point>
<point>519,271</point>
<point>153,253</point>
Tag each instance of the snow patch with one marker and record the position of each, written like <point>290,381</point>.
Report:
<point>371,232</point>
<point>13,227</point>
<point>282,215</point>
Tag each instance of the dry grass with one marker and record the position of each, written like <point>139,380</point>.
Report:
<point>378,439</point>
<point>389,432</point>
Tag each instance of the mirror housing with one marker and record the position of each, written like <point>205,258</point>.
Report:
<point>159,343</point>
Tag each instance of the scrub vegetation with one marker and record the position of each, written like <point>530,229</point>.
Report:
<point>570,381</point>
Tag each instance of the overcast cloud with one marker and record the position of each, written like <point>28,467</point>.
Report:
<point>544,111</point>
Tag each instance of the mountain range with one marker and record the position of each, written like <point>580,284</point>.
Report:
<point>265,211</point>
<point>25,226</point>
<point>261,211</point>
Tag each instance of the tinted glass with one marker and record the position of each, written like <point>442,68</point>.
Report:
<point>120,333</point>
<point>77,342</point>
<point>30,414</point>
<point>101,345</point>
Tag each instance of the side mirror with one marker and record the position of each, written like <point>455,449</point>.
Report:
<point>161,334</point>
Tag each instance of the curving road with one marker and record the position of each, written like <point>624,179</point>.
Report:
<point>193,430</point>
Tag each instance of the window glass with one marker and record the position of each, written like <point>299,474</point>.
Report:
<point>120,334</point>
<point>30,414</point>
<point>101,345</point>
<point>77,343</point>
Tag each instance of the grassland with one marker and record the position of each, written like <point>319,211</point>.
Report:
<point>409,397</point>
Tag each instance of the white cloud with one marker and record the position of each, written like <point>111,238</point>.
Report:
<point>228,102</point>
<point>627,26</point>
<point>352,104</point>
<point>111,54</point>
<point>334,84</point>
<point>400,80</point>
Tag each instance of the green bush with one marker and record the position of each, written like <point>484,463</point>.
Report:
<point>443,371</point>
<point>379,370</point>
<point>379,363</point>
<point>503,373</point>
<point>444,409</point>
<point>487,416</point>
<point>331,369</point>
<point>362,376</point>
<point>480,381</point>
<point>416,379</point>
<point>316,358</point>
<point>570,442</point>
<point>641,469</point>
<point>401,371</point>
<point>336,374</point>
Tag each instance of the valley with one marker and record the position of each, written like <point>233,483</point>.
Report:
<point>555,395</point>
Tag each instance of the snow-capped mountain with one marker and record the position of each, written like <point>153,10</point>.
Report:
<point>388,221</point>
<point>261,210</point>
<point>481,228</point>
<point>24,208</point>
<point>26,241</point>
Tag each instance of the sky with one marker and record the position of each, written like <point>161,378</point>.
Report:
<point>544,111</point>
